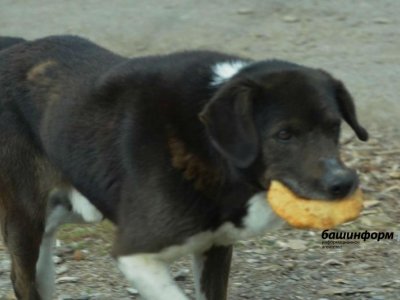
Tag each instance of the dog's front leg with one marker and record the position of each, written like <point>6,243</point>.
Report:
<point>150,276</point>
<point>211,273</point>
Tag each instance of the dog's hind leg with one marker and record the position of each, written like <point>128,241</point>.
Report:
<point>23,241</point>
<point>30,242</point>
<point>45,271</point>
<point>26,179</point>
<point>211,273</point>
<point>64,205</point>
<point>22,208</point>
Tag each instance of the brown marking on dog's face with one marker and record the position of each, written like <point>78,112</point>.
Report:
<point>193,167</point>
<point>38,72</point>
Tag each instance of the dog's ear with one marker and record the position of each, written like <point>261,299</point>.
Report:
<point>348,111</point>
<point>228,118</point>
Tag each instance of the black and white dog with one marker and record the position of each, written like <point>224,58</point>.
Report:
<point>177,150</point>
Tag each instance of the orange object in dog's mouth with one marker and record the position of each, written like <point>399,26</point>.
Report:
<point>313,213</point>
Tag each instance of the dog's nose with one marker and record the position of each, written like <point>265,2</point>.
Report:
<point>339,181</point>
<point>341,186</point>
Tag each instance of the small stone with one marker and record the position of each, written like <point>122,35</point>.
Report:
<point>261,35</point>
<point>188,292</point>
<point>290,265</point>
<point>61,269</point>
<point>381,21</point>
<point>294,277</point>
<point>371,203</point>
<point>132,291</point>
<point>282,244</point>
<point>57,259</point>
<point>366,221</point>
<point>332,262</point>
<point>297,244</point>
<point>82,297</point>
<point>315,275</point>
<point>245,11</point>
<point>181,275</point>
<point>290,19</point>
<point>61,251</point>
<point>387,284</point>
<point>263,268</point>
<point>67,279</point>
<point>341,281</point>
<point>363,266</point>
<point>261,251</point>
<point>78,255</point>
<point>332,291</point>
<point>394,175</point>
<point>97,296</point>
<point>267,288</point>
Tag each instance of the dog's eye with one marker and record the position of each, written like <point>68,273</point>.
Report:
<point>284,135</point>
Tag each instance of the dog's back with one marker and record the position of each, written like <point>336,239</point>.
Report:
<point>50,64</point>
<point>68,84</point>
<point>6,41</point>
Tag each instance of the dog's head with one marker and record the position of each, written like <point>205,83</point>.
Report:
<point>284,120</point>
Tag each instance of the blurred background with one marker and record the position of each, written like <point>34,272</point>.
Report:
<point>357,41</point>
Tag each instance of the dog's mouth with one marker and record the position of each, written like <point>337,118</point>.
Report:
<point>312,191</point>
<point>300,190</point>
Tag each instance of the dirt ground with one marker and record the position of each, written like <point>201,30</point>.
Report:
<point>357,41</point>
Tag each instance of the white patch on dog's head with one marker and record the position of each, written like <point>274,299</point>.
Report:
<point>224,71</point>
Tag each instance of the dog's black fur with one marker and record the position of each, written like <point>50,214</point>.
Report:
<point>156,147</point>
<point>7,42</point>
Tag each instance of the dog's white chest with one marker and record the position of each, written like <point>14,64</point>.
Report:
<point>259,219</point>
